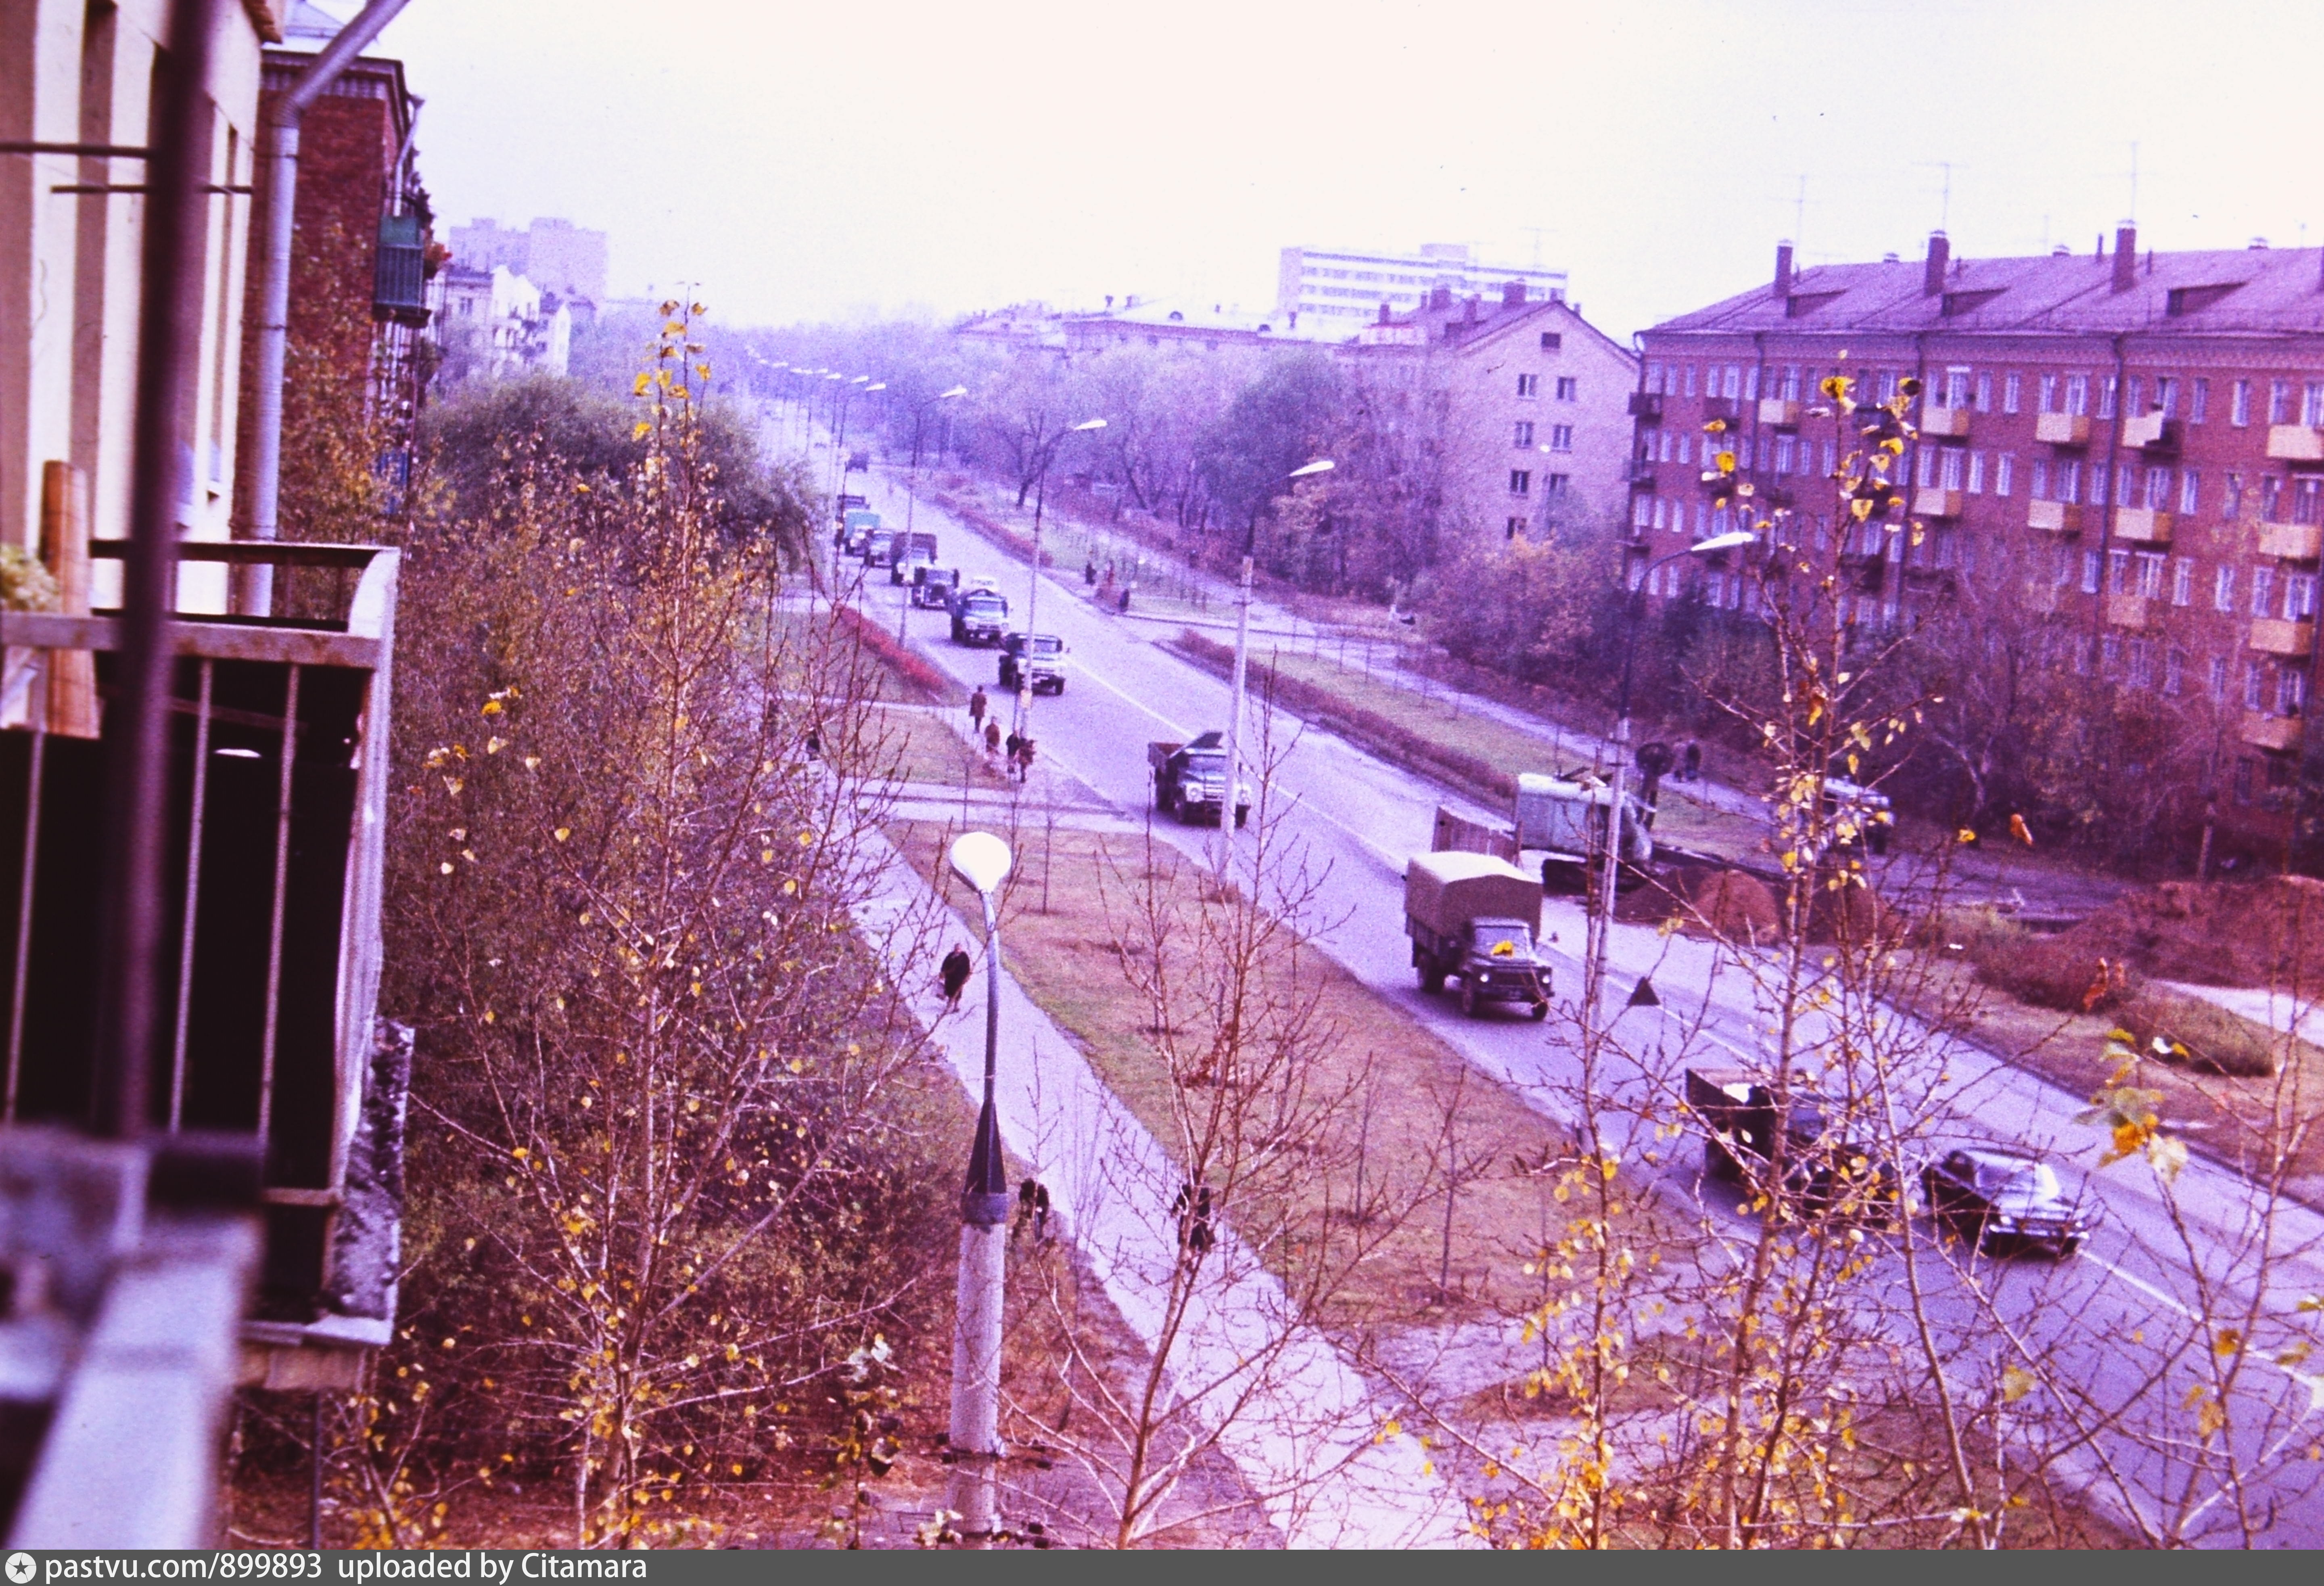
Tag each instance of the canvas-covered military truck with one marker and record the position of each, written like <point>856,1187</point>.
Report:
<point>1742,1127</point>
<point>1471,918</point>
<point>932,587</point>
<point>1561,830</point>
<point>979,617</point>
<point>878,547</point>
<point>910,555</point>
<point>1190,779</point>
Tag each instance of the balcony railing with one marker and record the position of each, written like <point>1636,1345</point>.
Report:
<point>2151,432</point>
<point>1952,423</point>
<point>1933,502</point>
<point>2275,636</point>
<point>2295,443</point>
<point>1776,413</point>
<point>2142,525</point>
<point>2293,542</point>
<point>2062,429</point>
<point>2280,734</point>
<point>2132,611</point>
<point>1645,404</point>
<point>2054,516</point>
<point>269,903</point>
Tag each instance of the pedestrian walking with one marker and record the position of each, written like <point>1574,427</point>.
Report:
<point>977,702</point>
<point>1193,1209</point>
<point>1089,572</point>
<point>991,739</point>
<point>1693,761</point>
<point>1655,761</point>
<point>957,967</point>
<point>1121,607</point>
<point>1032,1210</point>
<point>1024,758</point>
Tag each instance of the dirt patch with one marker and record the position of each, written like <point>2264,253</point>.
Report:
<point>2262,934</point>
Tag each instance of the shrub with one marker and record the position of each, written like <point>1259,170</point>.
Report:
<point>2199,1035</point>
<point>2047,971</point>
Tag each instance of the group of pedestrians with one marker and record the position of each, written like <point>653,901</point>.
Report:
<point>985,727</point>
<point>1107,592</point>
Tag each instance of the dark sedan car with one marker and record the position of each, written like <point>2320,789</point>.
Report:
<point>2002,1200</point>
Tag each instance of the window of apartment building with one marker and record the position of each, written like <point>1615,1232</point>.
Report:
<point>2110,655</point>
<point>2306,494</point>
<point>1789,391</point>
<point>2215,679</point>
<point>2243,779</point>
<point>2239,404</point>
<point>1730,382</point>
<point>2078,394</point>
<point>1569,388</point>
<point>2166,395</point>
<point>2190,491</point>
<point>1516,527</point>
<point>2042,480</point>
<point>1788,450</point>
<point>2231,499</point>
<point>2312,404</point>
<point>2279,401</point>
<point>1948,548</point>
<point>1645,512</point>
<point>2069,479</point>
<point>2291,690</point>
<point>2142,663</point>
<point>2263,590</point>
<point>1688,371</point>
<point>2117,571</point>
<point>1952,468</point>
<point>2082,655</point>
<point>2147,566</point>
<point>1528,385</point>
<point>1750,394</point>
<point>1887,385</point>
<point>1957,387</point>
<point>2158,489</point>
<point>2005,468</point>
<point>1551,340</point>
<point>1525,436</point>
<point>2223,589</point>
<point>2299,596</point>
<point>2105,397</point>
<point>2271,498</point>
<point>2089,572</point>
<point>1561,437</point>
<point>2199,399</point>
<point>1926,461</point>
<point>2254,685</point>
<point>1830,457</point>
<point>1985,391</point>
<point>2013,392</point>
<point>2131,395</point>
<point>1520,482</point>
<point>2174,672</point>
<point>1977,473</point>
<point>2182,581</point>
<point>1556,483</point>
<point>1654,376</point>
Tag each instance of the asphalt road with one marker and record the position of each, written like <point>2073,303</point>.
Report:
<point>2129,1326</point>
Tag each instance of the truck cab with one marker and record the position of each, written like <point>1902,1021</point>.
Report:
<point>910,556</point>
<point>1561,829</point>
<point>1471,918</point>
<point>979,617</point>
<point>856,526</point>
<point>1190,779</point>
<point>1033,660</point>
<point>878,547</point>
<point>932,587</point>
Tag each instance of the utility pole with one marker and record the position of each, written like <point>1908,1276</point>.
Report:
<point>1228,806</point>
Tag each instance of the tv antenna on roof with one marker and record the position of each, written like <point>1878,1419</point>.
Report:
<point>1536,232</point>
<point>1945,193</point>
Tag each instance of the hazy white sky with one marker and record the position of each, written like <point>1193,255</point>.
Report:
<point>814,161</point>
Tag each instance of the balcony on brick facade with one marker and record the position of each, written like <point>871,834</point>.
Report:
<point>1950,422</point>
<point>2275,636</point>
<point>1929,501</point>
<point>2295,443</point>
<point>2293,542</point>
<point>2280,733</point>
<point>1645,404</point>
<point>2062,429</point>
<point>2144,525</point>
<point>2151,432</point>
<point>2132,611</point>
<point>2044,599</point>
<point>1776,413</point>
<point>1642,474</point>
<point>1728,408</point>
<point>2056,517</point>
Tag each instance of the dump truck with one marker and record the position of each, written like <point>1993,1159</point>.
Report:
<point>1190,779</point>
<point>1471,918</point>
<point>1560,828</point>
<point>932,587</point>
<point>910,555</point>
<point>1822,1170</point>
<point>979,617</point>
<point>1035,661</point>
<point>856,525</point>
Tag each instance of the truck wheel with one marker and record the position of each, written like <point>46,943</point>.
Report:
<point>1432,979</point>
<point>1468,998</point>
<point>1541,1011</point>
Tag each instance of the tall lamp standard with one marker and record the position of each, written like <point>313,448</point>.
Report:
<point>1603,916</point>
<point>1033,588</point>
<point>982,861</point>
<point>1242,671</point>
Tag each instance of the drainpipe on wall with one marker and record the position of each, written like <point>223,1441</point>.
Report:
<point>254,593</point>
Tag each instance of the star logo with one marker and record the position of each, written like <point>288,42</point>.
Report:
<point>21,1568</point>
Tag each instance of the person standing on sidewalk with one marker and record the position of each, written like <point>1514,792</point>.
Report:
<point>957,968</point>
<point>977,702</point>
<point>991,737</point>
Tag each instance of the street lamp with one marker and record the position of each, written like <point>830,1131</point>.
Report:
<point>1241,672</point>
<point>1033,590</point>
<point>912,492</point>
<point>1604,913</point>
<point>982,861</point>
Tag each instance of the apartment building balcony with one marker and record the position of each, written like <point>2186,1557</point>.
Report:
<point>2151,432</point>
<point>1645,404</point>
<point>2054,516</point>
<point>1952,423</point>
<point>2142,525</point>
<point>2062,429</point>
<point>2274,636</point>
<point>2138,612</point>
<point>1931,503</point>
<point>2295,443</point>
<point>2043,599</point>
<point>2280,733</point>
<point>1728,408</point>
<point>1642,474</point>
<point>2291,542</point>
<point>1776,413</point>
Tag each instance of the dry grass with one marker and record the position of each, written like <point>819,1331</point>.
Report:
<point>1069,960</point>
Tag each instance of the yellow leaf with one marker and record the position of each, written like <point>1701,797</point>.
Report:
<point>563,832</point>
<point>492,707</point>
<point>2016,1382</point>
<point>1965,835</point>
<point>2228,1343</point>
<point>641,429</point>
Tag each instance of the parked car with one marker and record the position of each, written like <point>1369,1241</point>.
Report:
<point>1190,779</point>
<point>2001,1199</point>
<point>979,617</point>
<point>1471,918</point>
<point>1038,658</point>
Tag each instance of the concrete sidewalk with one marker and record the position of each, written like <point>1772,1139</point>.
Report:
<point>1295,1415</point>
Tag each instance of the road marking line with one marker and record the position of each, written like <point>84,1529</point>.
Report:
<point>2313,1382</point>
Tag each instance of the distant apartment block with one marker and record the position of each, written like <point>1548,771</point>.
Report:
<point>2121,455</point>
<point>497,325</point>
<point>1348,285</point>
<point>556,255</point>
